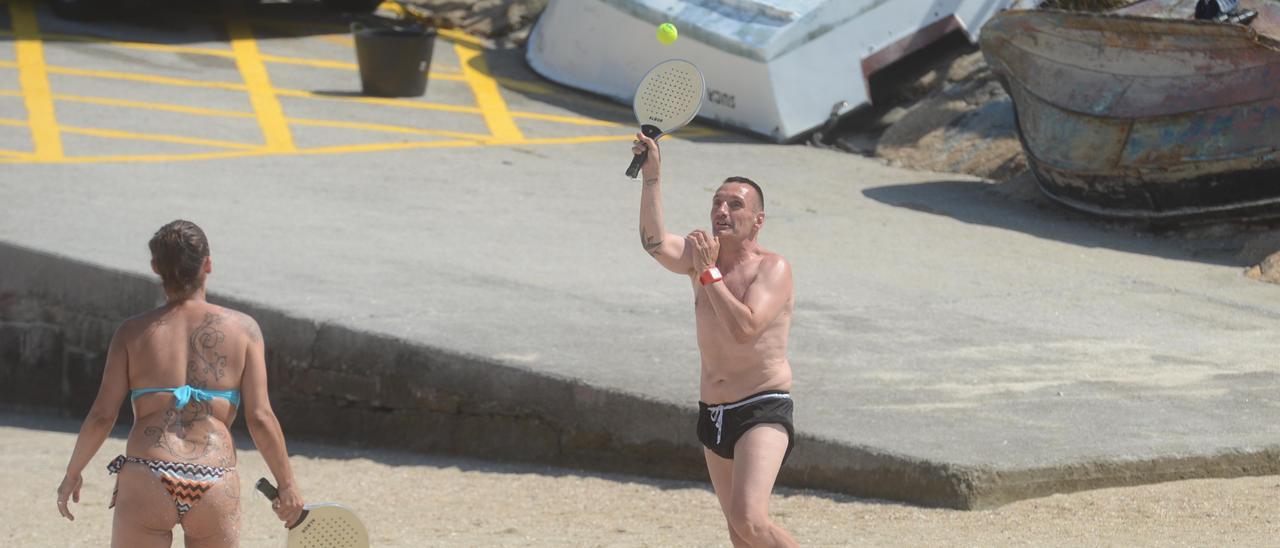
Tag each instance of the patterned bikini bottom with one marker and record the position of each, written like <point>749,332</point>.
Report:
<point>184,481</point>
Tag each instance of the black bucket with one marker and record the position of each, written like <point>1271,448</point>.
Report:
<point>393,60</point>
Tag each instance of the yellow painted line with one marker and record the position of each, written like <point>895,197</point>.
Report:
<point>144,46</point>
<point>34,81</point>
<point>339,65</point>
<point>389,129</point>
<point>460,38</point>
<point>448,35</point>
<point>169,81</point>
<point>698,132</point>
<point>115,134</point>
<point>140,105</point>
<point>317,63</point>
<point>271,119</point>
<point>157,158</point>
<point>165,107</point>
<point>299,27</point>
<point>342,35</point>
<point>340,39</point>
<point>463,144</point>
<point>573,120</point>
<point>148,158</point>
<point>694,132</point>
<point>211,52</point>
<point>182,82</point>
<point>399,103</point>
<point>488,97</point>
<point>584,139</point>
<point>576,140</point>
<point>338,149</point>
<point>379,147</point>
<point>13,153</point>
<point>134,77</point>
<point>337,39</point>
<point>470,139</point>
<point>236,114</point>
<point>527,86</point>
<point>403,103</point>
<point>351,42</point>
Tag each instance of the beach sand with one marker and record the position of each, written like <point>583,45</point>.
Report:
<point>408,499</point>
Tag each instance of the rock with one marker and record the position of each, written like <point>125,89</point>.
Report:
<point>954,136</point>
<point>857,143</point>
<point>920,120</point>
<point>487,18</point>
<point>1258,247</point>
<point>967,67</point>
<point>895,115</point>
<point>1266,271</point>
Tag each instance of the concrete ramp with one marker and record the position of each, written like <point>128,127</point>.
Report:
<point>951,346</point>
<point>335,383</point>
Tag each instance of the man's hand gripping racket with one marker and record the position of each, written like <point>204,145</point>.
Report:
<point>667,98</point>
<point>324,525</point>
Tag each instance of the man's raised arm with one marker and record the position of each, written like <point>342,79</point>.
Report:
<point>667,248</point>
<point>764,300</point>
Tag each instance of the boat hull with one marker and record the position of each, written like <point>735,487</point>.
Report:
<point>1145,117</point>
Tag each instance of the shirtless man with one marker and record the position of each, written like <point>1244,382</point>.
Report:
<point>743,301</point>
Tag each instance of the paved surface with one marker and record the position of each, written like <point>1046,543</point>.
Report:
<point>936,319</point>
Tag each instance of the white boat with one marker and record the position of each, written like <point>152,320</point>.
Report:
<point>777,68</point>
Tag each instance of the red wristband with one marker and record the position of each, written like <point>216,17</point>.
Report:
<point>710,276</point>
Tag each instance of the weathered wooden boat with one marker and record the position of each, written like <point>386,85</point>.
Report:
<point>1145,112</point>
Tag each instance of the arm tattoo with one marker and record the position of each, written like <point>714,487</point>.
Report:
<point>650,243</point>
<point>651,181</point>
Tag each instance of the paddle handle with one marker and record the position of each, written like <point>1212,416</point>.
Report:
<point>651,132</point>
<point>264,486</point>
<point>267,489</point>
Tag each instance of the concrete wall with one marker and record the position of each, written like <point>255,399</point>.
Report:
<point>332,383</point>
<point>335,384</point>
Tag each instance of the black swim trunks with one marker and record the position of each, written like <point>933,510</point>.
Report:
<point>720,425</point>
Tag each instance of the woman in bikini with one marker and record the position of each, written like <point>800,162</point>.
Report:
<point>188,367</point>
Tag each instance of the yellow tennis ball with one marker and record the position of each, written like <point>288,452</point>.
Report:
<point>667,33</point>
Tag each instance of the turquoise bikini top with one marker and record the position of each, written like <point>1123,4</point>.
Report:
<point>185,393</point>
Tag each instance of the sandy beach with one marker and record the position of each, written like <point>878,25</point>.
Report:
<point>420,500</point>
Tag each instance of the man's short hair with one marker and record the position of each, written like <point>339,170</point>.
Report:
<point>746,181</point>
